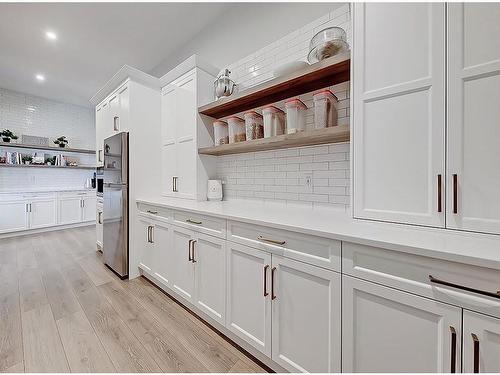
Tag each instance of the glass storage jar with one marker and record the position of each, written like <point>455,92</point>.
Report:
<point>254,125</point>
<point>274,121</point>
<point>325,109</point>
<point>295,115</point>
<point>221,133</point>
<point>236,129</point>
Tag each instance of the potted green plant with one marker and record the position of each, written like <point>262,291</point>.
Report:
<point>7,135</point>
<point>61,141</point>
<point>27,159</point>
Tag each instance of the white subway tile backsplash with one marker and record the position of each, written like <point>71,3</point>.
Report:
<point>32,115</point>
<point>283,175</point>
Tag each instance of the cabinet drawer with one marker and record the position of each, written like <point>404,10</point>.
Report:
<point>412,273</point>
<point>77,193</point>
<point>43,195</point>
<point>201,223</point>
<point>153,211</point>
<point>310,249</point>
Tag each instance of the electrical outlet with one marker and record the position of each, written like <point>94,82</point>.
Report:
<point>309,183</point>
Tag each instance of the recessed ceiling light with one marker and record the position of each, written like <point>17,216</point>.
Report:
<point>51,35</point>
<point>40,77</point>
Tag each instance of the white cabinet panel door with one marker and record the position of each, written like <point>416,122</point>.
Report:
<point>89,208</point>
<point>70,210</point>
<point>473,117</point>
<point>145,245</point>
<point>162,253</point>
<point>13,216</point>
<point>209,255</point>
<point>186,167</point>
<point>306,317</point>
<point>249,295</point>
<point>481,343</point>
<point>386,330</point>
<point>124,110</point>
<point>398,111</point>
<point>183,282</point>
<point>43,213</point>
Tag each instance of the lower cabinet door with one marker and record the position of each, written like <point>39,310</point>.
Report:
<point>145,245</point>
<point>89,208</point>
<point>70,210</point>
<point>306,310</point>
<point>386,330</point>
<point>209,254</point>
<point>249,295</point>
<point>13,216</point>
<point>43,213</point>
<point>481,343</point>
<point>162,252</point>
<point>183,277</point>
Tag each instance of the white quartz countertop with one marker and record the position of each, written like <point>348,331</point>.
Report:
<point>464,247</point>
<point>22,190</point>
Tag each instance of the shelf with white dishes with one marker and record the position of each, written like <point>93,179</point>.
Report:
<point>47,166</point>
<point>58,150</point>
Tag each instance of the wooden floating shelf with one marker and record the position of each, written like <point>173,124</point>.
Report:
<point>45,166</point>
<point>48,148</point>
<point>325,73</point>
<point>334,134</point>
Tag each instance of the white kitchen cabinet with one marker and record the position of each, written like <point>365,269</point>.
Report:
<point>70,209</point>
<point>99,225</point>
<point>89,208</point>
<point>249,295</point>
<point>14,215</point>
<point>386,330</point>
<point>146,244</point>
<point>399,112</point>
<point>184,171</point>
<point>209,256</point>
<point>306,316</point>
<point>183,278</point>
<point>473,132</point>
<point>481,342</point>
<point>102,118</point>
<point>43,212</point>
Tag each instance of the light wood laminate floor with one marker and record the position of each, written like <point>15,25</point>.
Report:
<point>62,310</point>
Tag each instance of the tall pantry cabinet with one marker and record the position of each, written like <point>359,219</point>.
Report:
<point>183,131</point>
<point>425,99</point>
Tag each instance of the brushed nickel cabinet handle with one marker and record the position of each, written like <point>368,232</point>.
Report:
<point>152,234</point>
<point>116,123</point>
<point>275,242</point>
<point>476,353</point>
<point>453,365</point>
<point>152,212</point>
<point>265,280</point>
<point>440,193</point>
<point>273,296</point>
<point>189,251</point>
<point>148,233</point>
<point>466,288</point>
<point>99,217</point>
<point>455,193</point>
<point>193,260</point>
<point>191,221</point>
<point>174,184</point>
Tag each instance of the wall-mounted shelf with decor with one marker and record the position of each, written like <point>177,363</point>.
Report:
<point>334,134</point>
<point>325,73</point>
<point>48,148</point>
<point>45,166</point>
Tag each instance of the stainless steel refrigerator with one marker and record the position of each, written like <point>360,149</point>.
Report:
<point>115,207</point>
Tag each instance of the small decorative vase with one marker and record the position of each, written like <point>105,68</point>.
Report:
<point>6,140</point>
<point>62,145</point>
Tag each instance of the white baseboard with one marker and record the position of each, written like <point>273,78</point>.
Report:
<point>48,229</point>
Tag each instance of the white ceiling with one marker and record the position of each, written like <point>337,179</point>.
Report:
<point>94,41</point>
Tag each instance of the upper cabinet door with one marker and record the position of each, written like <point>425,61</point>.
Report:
<point>399,117</point>
<point>473,117</point>
<point>481,343</point>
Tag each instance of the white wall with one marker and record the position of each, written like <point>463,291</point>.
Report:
<point>33,115</point>
<point>245,28</point>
